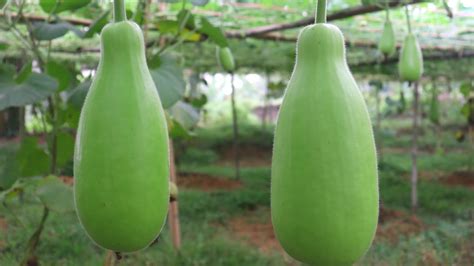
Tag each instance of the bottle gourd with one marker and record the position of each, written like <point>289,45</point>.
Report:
<point>121,164</point>
<point>324,187</point>
<point>410,66</point>
<point>225,58</point>
<point>387,44</point>
<point>434,106</point>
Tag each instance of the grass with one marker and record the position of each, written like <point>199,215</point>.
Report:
<point>446,211</point>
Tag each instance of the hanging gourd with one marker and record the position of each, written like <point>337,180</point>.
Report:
<point>410,66</point>
<point>387,43</point>
<point>402,105</point>
<point>225,58</point>
<point>434,106</point>
<point>121,164</point>
<point>324,187</point>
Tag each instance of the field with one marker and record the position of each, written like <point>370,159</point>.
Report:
<point>227,222</point>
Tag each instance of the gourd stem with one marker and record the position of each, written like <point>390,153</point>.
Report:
<point>408,19</point>
<point>321,11</point>
<point>119,11</point>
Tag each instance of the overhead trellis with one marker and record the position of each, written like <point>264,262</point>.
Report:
<point>441,38</point>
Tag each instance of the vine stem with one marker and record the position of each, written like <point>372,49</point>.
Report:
<point>34,239</point>
<point>408,19</point>
<point>321,11</point>
<point>119,11</point>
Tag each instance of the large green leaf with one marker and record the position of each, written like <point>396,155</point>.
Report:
<point>65,148</point>
<point>169,81</point>
<point>32,159</point>
<point>57,6</point>
<point>56,195</point>
<point>9,170</point>
<point>60,73</point>
<point>465,88</point>
<point>35,88</point>
<point>97,25</point>
<point>24,72</point>
<point>78,94</point>
<point>44,31</point>
<point>214,33</point>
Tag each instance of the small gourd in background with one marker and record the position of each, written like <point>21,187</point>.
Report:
<point>410,66</point>
<point>225,58</point>
<point>387,43</point>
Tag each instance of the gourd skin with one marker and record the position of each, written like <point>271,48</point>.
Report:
<point>226,59</point>
<point>121,163</point>
<point>324,189</point>
<point>410,67</point>
<point>387,42</point>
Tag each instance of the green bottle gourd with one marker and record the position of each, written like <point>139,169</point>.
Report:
<point>434,107</point>
<point>121,163</point>
<point>324,186</point>
<point>402,105</point>
<point>225,58</point>
<point>410,66</point>
<point>387,43</point>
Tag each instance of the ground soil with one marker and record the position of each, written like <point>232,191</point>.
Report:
<point>207,182</point>
<point>250,156</point>
<point>394,224</point>
<point>459,178</point>
<point>256,229</point>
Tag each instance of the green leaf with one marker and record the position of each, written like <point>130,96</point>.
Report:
<point>199,2</point>
<point>177,131</point>
<point>3,46</point>
<point>65,148</point>
<point>60,73</point>
<point>199,102</point>
<point>55,195</point>
<point>185,114</point>
<point>57,6</point>
<point>138,16</point>
<point>168,26</point>
<point>97,25</point>
<point>169,81</point>
<point>78,95</point>
<point>214,33</point>
<point>32,159</point>
<point>68,116</point>
<point>465,88</point>
<point>9,170</point>
<point>35,88</point>
<point>24,72</point>
<point>44,31</point>
<point>190,22</point>
<point>3,3</point>
<point>13,191</point>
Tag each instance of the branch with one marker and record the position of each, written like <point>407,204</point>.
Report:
<point>31,17</point>
<point>443,56</point>
<point>345,13</point>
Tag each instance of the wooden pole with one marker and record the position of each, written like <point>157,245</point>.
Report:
<point>173,215</point>
<point>414,151</point>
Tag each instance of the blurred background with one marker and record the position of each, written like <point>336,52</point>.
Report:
<point>49,50</point>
